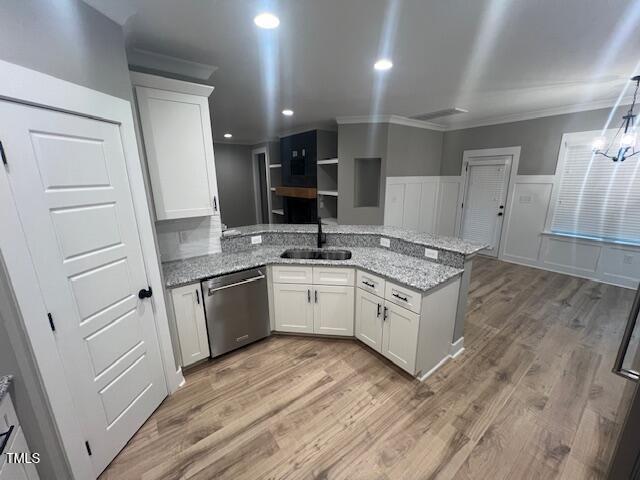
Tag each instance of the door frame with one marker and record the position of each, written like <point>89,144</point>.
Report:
<point>476,157</point>
<point>256,181</point>
<point>25,86</point>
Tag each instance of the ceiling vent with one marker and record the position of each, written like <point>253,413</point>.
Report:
<point>439,113</point>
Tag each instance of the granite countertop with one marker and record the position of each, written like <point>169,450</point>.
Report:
<point>412,272</point>
<point>5,383</point>
<point>451,244</point>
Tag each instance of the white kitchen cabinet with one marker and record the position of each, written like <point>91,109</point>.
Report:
<point>325,309</point>
<point>333,276</point>
<point>368,324</point>
<point>371,283</point>
<point>293,274</point>
<point>333,310</point>
<point>400,336</point>
<point>15,444</point>
<point>411,329</point>
<point>190,323</point>
<point>414,331</point>
<point>176,128</point>
<point>293,307</point>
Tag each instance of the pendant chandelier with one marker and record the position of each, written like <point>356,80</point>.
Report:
<point>623,145</point>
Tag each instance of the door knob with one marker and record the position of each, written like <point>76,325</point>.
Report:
<point>145,293</point>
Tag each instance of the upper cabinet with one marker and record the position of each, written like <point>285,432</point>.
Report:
<point>176,128</point>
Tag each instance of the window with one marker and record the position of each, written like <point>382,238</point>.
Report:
<point>596,197</point>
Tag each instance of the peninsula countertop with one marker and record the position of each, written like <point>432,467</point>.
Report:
<point>416,273</point>
<point>450,244</point>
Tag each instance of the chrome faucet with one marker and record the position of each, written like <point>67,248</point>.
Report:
<point>322,238</point>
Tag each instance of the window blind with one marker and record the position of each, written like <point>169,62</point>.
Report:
<point>598,198</point>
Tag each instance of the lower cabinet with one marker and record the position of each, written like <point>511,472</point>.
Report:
<point>387,328</point>
<point>325,309</point>
<point>191,324</point>
<point>293,308</point>
<point>414,330</point>
<point>333,310</point>
<point>369,311</point>
<point>400,336</point>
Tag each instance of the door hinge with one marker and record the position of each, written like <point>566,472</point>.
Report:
<point>462,206</point>
<point>51,324</point>
<point>215,204</point>
<point>2,154</point>
<point>86,444</point>
<point>466,167</point>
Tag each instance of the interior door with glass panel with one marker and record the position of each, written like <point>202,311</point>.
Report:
<point>69,181</point>
<point>485,196</point>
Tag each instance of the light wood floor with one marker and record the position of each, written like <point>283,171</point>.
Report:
<point>532,396</point>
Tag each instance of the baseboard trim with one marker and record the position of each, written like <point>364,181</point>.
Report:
<point>430,372</point>
<point>456,348</point>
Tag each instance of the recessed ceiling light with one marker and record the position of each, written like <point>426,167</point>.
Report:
<point>266,20</point>
<point>227,135</point>
<point>287,112</point>
<point>383,64</point>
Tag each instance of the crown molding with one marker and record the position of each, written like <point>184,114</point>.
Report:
<point>545,112</point>
<point>392,119</point>
<point>139,79</point>
<point>224,141</point>
<point>158,62</point>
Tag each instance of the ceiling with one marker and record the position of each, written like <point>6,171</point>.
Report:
<point>499,59</point>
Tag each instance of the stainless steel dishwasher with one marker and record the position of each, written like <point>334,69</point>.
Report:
<point>237,310</point>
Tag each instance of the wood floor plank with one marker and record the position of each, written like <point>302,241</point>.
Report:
<point>532,396</point>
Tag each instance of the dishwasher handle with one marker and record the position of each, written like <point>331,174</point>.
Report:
<point>211,291</point>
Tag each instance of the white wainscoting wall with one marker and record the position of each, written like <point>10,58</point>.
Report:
<point>189,237</point>
<point>527,243</point>
<point>424,204</point>
<point>429,204</point>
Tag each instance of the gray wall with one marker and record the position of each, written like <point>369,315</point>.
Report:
<point>358,141</point>
<point>539,138</point>
<point>235,184</point>
<point>69,40</point>
<point>413,151</point>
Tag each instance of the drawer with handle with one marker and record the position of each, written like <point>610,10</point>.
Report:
<point>292,274</point>
<point>371,283</point>
<point>403,296</point>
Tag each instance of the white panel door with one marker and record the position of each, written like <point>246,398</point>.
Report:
<point>484,203</point>
<point>400,336</point>
<point>177,138</point>
<point>190,323</point>
<point>333,310</point>
<point>368,327</point>
<point>69,180</point>
<point>293,307</point>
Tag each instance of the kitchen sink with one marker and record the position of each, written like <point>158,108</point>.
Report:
<point>310,254</point>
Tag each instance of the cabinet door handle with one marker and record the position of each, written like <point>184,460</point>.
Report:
<point>371,285</point>
<point>198,297</point>
<point>308,295</point>
<point>386,313</point>
<point>378,314</point>
<point>315,294</point>
<point>215,203</point>
<point>404,299</point>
